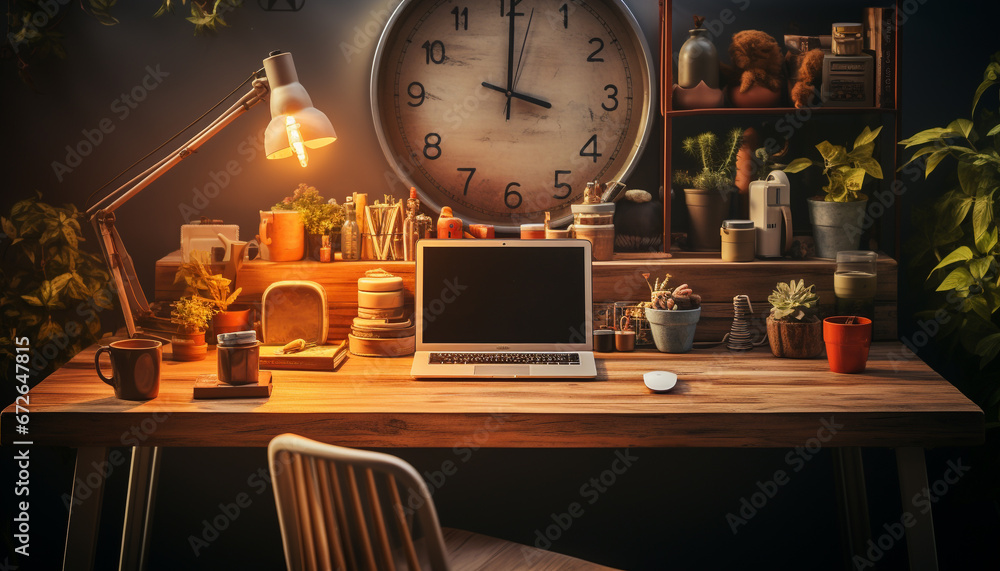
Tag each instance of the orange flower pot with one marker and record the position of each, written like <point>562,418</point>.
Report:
<point>847,344</point>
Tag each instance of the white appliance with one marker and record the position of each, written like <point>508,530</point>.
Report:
<point>770,203</point>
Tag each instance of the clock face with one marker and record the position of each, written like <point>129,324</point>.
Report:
<point>505,109</point>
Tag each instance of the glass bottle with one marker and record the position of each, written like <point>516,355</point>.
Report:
<point>350,240</point>
<point>410,231</point>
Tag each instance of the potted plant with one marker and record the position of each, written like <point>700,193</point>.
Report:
<point>53,291</point>
<point>673,315</point>
<point>708,192</point>
<point>837,217</point>
<point>192,316</point>
<point>214,290</point>
<point>958,246</point>
<point>320,217</point>
<point>793,328</point>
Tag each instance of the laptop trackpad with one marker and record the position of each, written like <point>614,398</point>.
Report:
<point>503,370</point>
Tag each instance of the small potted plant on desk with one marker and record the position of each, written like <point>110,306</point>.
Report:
<point>214,290</point>
<point>673,315</point>
<point>793,328</point>
<point>708,193</point>
<point>192,316</point>
<point>837,217</point>
<point>320,217</point>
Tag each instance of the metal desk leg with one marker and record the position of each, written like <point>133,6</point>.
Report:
<point>84,509</point>
<point>852,501</point>
<point>920,545</point>
<point>142,483</point>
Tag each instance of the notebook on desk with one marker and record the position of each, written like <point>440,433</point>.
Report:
<point>503,309</point>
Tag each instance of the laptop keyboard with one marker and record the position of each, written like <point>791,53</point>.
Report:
<point>504,358</point>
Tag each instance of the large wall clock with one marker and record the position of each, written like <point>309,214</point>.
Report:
<point>505,109</point>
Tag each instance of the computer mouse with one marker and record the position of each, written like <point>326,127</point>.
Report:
<point>660,381</point>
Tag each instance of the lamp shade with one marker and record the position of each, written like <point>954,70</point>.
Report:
<point>293,117</point>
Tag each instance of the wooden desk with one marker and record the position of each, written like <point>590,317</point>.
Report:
<point>722,400</point>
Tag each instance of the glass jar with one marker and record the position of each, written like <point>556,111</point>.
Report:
<point>855,282</point>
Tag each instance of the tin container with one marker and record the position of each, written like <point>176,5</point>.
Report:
<point>238,358</point>
<point>738,240</point>
<point>847,39</point>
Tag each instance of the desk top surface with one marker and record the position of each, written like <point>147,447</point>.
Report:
<point>722,399</point>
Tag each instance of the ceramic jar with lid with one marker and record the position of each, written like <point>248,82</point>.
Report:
<point>738,240</point>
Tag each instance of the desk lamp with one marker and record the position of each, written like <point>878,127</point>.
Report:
<point>295,125</point>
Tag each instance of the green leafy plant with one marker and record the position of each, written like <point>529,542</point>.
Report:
<point>845,170</point>
<point>663,297</point>
<point>319,216</point>
<point>204,285</point>
<point>35,27</point>
<point>206,15</point>
<point>192,314</point>
<point>961,227</point>
<point>794,302</point>
<point>53,290</point>
<point>718,161</point>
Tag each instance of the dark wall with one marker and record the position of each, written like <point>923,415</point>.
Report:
<point>668,510</point>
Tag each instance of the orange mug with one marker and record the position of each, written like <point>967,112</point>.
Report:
<point>282,235</point>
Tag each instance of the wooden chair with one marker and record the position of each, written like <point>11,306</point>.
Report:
<point>341,508</point>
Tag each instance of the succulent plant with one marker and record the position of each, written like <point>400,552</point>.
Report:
<point>662,297</point>
<point>794,302</point>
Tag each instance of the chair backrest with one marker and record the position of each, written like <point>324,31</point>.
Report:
<point>341,508</point>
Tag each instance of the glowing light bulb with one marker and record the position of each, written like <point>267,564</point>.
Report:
<point>295,140</point>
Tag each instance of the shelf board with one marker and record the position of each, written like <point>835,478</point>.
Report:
<point>777,111</point>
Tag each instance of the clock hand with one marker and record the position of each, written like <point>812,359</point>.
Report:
<point>517,73</point>
<point>510,54</point>
<point>520,57</point>
<point>521,96</point>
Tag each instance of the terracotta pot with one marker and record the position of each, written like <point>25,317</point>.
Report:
<point>847,344</point>
<point>707,208</point>
<point>188,346</point>
<point>794,339</point>
<point>230,321</point>
<point>756,96</point>
<point>700,96</point>
<point>282,235</point>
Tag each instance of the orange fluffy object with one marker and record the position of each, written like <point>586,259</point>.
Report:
<point>810,72</point>
<point>758,56</point>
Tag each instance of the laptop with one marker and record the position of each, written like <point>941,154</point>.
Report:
<point>505,309</point>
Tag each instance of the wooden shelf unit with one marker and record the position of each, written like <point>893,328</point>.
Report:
<point>618,280</point>
<point>669,114</point>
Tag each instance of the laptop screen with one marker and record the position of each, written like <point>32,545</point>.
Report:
<point>504,294</point>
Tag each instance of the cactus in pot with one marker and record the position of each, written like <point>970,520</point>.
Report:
<point>793,327</point>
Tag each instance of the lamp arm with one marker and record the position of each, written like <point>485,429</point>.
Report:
<point>123,273</point>
<point>142,180</point>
